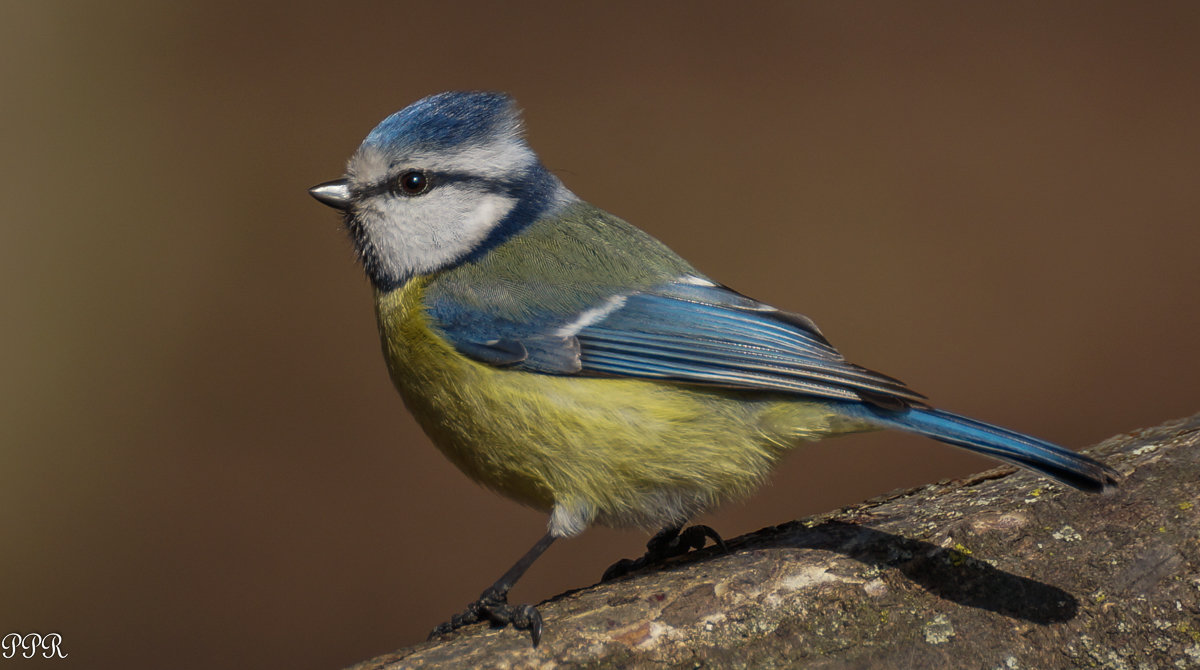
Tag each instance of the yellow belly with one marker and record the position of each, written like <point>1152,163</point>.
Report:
<point>622,452</point>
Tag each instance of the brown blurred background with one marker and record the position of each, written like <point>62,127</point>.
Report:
<point>203,463</point>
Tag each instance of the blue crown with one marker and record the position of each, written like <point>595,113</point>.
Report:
<point>446,121</point>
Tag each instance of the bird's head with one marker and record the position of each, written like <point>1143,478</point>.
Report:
<point>442,179</point>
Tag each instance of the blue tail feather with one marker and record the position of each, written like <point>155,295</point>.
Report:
<point>1012,447</point>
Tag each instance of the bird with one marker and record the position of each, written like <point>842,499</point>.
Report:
<point>566,359</point>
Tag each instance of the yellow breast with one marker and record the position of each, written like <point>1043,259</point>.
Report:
<point>615,451</point>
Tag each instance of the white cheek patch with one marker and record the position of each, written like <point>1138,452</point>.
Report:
<point>415,235</point>
<point>421,234</point>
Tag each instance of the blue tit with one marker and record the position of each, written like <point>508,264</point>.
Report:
<point>567,360</point>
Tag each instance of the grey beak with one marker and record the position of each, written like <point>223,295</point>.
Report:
<point>334,193</point>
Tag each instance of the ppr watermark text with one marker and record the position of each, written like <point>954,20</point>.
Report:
<point>28,645</point>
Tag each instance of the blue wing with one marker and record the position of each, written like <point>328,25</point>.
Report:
<point>689,331</point>
<point>695,332</point>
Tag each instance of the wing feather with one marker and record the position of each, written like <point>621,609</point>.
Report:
<point>687,331</point>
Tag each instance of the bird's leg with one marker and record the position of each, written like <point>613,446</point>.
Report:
<point>666,544</point>
<point>493,606</point>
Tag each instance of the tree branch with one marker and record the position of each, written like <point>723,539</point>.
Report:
<point>1001,570</point>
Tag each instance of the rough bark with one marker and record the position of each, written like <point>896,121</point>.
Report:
<point>1001,570</point>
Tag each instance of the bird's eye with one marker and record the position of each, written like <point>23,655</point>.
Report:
<point>413,182</point>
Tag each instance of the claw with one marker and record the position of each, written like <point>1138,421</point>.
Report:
<point>495,608</point>
<point>493,602</point>
<point>695,537</point>
<point>620,569</point>
<point>665,545</point>
<point>528,618</point>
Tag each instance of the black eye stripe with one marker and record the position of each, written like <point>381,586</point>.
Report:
<point>435,180</point>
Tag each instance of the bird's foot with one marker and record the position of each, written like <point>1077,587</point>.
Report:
<point>665,545</point>
<point>493,607</point>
